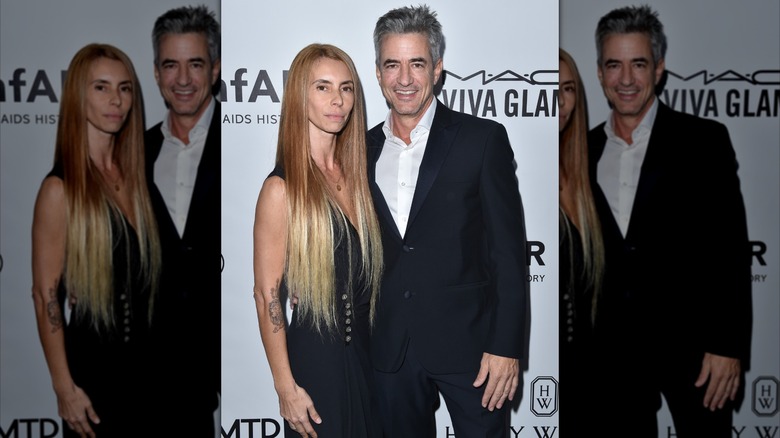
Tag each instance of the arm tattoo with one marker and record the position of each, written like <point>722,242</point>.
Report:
<point>275,310</point>
<point>53,311</point>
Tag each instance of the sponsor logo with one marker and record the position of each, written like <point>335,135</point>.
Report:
<point>764,403</point>
<point>31,427</point>
<point>30,87</point>
<point>534,250</point>
<point>515,431</point>
<point>728,93</point>
<point>706,77</point>
<point>507,94</point>
<point>544,396</point>
<point>252,428</point>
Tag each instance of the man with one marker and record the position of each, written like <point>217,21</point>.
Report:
<point>451,314</point>
<point>183,160</point>
<point>676,318</point>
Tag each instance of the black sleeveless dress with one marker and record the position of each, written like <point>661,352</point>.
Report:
<point>114,366</point>
<point>334,369</point>
<point>576,343</point>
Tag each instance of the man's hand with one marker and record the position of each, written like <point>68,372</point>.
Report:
<point>723,374</point>
<point>502,375</point>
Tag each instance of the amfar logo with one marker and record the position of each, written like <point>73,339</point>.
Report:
<point>765,396</point>
<point>544,396</point>
<point>24,87</point>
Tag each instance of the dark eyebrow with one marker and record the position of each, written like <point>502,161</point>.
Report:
<point>173,61</point>
<point>639,59</point>
<point>321,81</point>
<point>411,61</point>
<point>391,61</point>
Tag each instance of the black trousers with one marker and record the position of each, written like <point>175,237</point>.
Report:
<point>630,403</point>
<point>407,401</point>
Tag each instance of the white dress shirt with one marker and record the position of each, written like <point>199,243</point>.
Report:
<point>620,165</point>
<point>399,165</point>
<point>176,168</point>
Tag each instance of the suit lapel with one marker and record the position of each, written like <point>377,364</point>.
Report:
<point>208,176</point>
<point>376,141</point>
<point>440,141</point>
<point>652,168</point>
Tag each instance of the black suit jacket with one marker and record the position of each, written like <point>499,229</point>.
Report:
<point>680,277</point>
<point>455,284</point>
<point>187,316</point>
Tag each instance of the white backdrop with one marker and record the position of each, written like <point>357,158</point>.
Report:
<point>724,64</point>
<point>501,63</point>
<point>39,38</point>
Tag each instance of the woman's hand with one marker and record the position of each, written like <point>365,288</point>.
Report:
<point>297,407</point>
<point>76,409</point>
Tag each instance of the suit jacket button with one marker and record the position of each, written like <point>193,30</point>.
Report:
<point>407,294</point>
<point>408,248</point>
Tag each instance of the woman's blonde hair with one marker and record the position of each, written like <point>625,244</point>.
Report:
<point>315,221</point>
<point>93,217</point>
<point>573,166</point>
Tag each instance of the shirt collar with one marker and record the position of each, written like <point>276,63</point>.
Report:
<point>644,127</point>
<point>200,128</point>
<point>424,124</point>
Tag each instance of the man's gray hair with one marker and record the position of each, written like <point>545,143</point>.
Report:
<point>632,19</point>
<point>188,19</point>
<point>419,19</point>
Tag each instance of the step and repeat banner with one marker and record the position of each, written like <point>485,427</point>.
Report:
<point>38,38</point>
<point>500,63</point>
<point>723,63</point>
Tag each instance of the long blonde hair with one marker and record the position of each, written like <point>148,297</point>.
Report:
<point>93,217</point>
<point>573,166</point>
<point>314,219</point>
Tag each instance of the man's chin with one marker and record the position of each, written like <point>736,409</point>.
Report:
<point>183,111</point>
<point>406,110</point>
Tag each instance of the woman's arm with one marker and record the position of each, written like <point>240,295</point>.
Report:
<point>48,260</point>
<point>270,243</point>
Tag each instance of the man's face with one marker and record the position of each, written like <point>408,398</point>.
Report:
<point>185,73</point>
<point>627,73</point>
<point>407,74</point>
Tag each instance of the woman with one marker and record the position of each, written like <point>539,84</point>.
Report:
<point>96,254</point>
<point>316,239</point>
<point>581,252</point>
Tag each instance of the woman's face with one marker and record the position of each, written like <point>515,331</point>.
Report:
<point>331,95</point>
<point>109,96</point>
<point>567,95</point>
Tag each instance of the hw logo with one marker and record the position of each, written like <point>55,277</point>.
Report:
<point>765,396</point>
<point>544,396</point>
